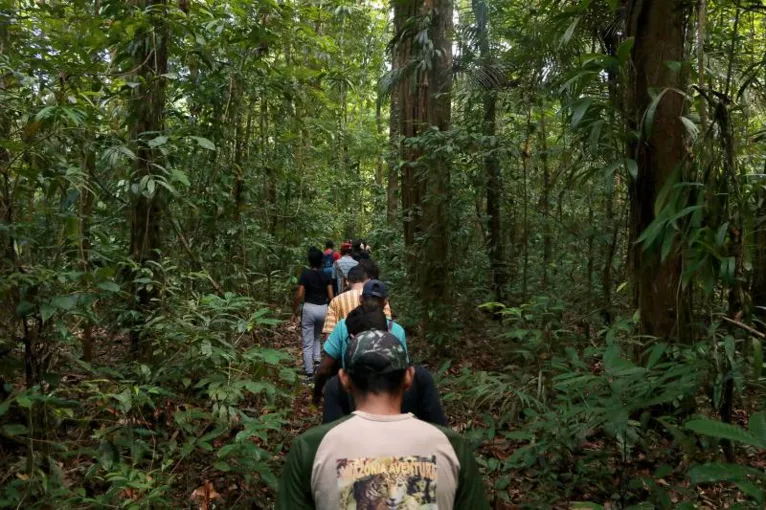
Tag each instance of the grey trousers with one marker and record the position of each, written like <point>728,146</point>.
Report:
<point>312,320</point>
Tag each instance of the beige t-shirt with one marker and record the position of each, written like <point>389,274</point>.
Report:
<point>373,461</point>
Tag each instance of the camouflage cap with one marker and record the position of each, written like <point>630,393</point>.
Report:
<point>375,352</point>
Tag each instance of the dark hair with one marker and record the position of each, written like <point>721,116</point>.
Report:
<point>345,250</point>
<point>315,257</point>
<point>357,274</point>
<point>329,245</point>
<point>370,268</point>
<point>356,244</point>
<point>377,384</point>
<point>360,320</point>
<point>373,303</point>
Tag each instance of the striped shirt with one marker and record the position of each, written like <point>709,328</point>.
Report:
<point>341,306</point>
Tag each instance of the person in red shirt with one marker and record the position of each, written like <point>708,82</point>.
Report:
<point>329,256</point>
<point>329,249</point>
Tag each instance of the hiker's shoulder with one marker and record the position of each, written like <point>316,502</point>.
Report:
<point>312,438</point>
<point>459,443</point>
<point>397,328</point>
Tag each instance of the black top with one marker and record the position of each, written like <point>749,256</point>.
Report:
<point>361,254</point>
<point>315,282</point>
<point>422,400</point>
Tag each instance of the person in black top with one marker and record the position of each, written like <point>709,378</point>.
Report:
<point>421,399</point>
<point>358,252</point>
<point>314,292</point>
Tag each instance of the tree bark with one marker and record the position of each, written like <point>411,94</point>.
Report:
<point>147,112</point>
<point>492,171</point>
<point>658,29</point>
<point>435,285</point>
<point>86,210</point>
<point>394,150</point>
<point>546,206</point>
<point>526,154</point>
<point>425,103</point>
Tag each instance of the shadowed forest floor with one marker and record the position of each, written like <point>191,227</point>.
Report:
<point>197,484</point>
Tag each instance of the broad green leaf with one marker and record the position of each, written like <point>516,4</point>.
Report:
<point>720,472</point>
<point>655,354</point>
<point>720,235</point>
<point>756,425</point>
<point>180,176</point>
<point>580,110</point>
<point>64,302</point>
<point>623,51</point>
<point>204,142</point>
<point>691,128</point>
<point>720,430</point>
<point>108,286</point>
<point>156,142</point>
<point>751,490</point>
<point>570,31</point>
<point>757,361</point>
<point>651,112</point>
<point>47,311</point>
<point>5,405</point>
<point>632,167</point>
<point>14,429</point>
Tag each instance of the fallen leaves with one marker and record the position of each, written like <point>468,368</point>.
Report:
<point>204,495</point>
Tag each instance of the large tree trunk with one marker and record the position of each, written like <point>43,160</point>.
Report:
<point>147,114</point>
<point>392,185</point>
<point>412,119</point>
<point>493,175</point>
<point>425,102</point>
<point>658,29</point>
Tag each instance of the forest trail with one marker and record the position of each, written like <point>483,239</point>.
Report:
<point>589,172</point>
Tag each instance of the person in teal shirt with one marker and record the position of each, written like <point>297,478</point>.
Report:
<point>374,297</point>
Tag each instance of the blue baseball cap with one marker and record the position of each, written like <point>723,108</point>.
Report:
<point>375,288</point>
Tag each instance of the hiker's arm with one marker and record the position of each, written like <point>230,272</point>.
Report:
<point>470,494</point>
<point>331,319</point>
<point>429,403</point>
<point>295,483</point>
<point>324,371</point>
<point>336,401</point>
<point>299,294</point>
<point>330,293</point>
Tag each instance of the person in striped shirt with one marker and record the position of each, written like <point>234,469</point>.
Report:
<point>343,303</point>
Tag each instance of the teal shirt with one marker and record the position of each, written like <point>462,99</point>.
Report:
<point>337,342</point>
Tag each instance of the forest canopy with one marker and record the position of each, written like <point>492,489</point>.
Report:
<point>565,199</point>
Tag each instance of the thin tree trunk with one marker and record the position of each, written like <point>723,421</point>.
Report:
<point>493,175</point>
<point>591,255</point>
<point>147,112</point>
<point>526,154</point>
<point>546,205</point>
<point>658,29</point>
<point>86,211</point>
<point>701,20</point>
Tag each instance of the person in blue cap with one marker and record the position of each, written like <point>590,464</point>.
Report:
<point>422,398</point>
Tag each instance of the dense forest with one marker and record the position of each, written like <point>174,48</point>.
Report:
<point>566,199</point>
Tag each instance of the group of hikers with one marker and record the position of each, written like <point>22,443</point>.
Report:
<point>384,442</point>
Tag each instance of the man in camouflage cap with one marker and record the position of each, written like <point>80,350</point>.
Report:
<point>379,457</point>
<point>375,352</point>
